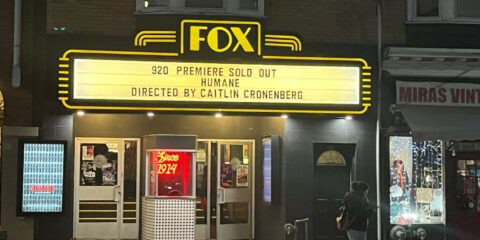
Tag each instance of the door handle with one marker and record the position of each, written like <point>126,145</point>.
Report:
<point>116,193</point>
<point>221,195</point>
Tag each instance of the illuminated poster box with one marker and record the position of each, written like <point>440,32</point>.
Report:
<point>160,81</point>
<point>215,82</point>
<point>41,177</point>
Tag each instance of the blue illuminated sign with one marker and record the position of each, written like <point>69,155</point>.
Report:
<point>267,170</point>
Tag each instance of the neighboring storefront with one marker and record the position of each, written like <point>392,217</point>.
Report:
<point>275,123</point>
<point>431,141</point>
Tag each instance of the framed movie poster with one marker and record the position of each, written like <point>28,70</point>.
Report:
<point>41,171</point>
<point>87,152</point>
<point>242,176</point>
<point>226,175</point>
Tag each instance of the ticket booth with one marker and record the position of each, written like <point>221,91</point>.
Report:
<point>168,204</point>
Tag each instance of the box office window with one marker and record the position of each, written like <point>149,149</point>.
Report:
<point>170,173</point>
<point>416,181</point>
<point>234,7</point>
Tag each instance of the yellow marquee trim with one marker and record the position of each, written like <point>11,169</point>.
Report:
<point>65,104</point>
<point>360,60</point>
<point>268,37</point>
<point>292,47</point>
<point>150,32</point>
<point>134,53</point>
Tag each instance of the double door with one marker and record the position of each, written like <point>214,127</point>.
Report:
<point>225,187</point>
<point>106,188</point>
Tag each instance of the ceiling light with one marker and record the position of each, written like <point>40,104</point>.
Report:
<point>150,114</point>
<point>80,113</point>
<point>284,116</point>
<point>348,118</point>
<point>218,115</point>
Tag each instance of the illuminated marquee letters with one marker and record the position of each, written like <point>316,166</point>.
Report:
<point>212,38</point>
<point>220,36</point>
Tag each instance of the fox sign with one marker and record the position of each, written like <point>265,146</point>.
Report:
<point>229,36</point>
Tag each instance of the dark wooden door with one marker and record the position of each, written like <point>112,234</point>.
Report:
<point>331,182</point>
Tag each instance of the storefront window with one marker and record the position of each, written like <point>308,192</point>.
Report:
<point>416,183</point>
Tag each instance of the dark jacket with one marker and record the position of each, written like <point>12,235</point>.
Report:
<point>358,206</point>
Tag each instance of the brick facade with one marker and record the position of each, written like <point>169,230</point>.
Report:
<point>337,21</point>
<point>324,21</point>
<point>106,17</point>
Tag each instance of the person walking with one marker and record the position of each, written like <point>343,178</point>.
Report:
<point>359,209</point>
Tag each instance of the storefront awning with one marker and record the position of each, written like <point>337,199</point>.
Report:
<point>444,123</point>
<point>432,62</point>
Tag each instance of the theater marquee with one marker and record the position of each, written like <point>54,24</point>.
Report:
<point>126,80</point>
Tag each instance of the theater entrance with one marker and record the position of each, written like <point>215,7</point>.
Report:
<point>224,187</point>
<point>106,188</point>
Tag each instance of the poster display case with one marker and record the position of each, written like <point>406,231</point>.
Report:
<point>41,168</point>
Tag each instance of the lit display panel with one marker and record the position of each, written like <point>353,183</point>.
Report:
<point>101,79</point>
<point>42,177</point>
<point>267,170</point>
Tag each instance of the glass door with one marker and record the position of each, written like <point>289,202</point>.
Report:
<point>101,210</point>
<point>203,213</point>
<point>224,181</point>
<point>235,181</point>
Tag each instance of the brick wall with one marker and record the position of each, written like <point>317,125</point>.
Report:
<point>329,21</point>
<point>104,17</point>
<point>337,21</point>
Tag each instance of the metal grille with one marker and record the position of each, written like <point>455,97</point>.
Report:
<point>168,219</point>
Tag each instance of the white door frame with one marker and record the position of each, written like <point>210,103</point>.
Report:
<point>123,229</point>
